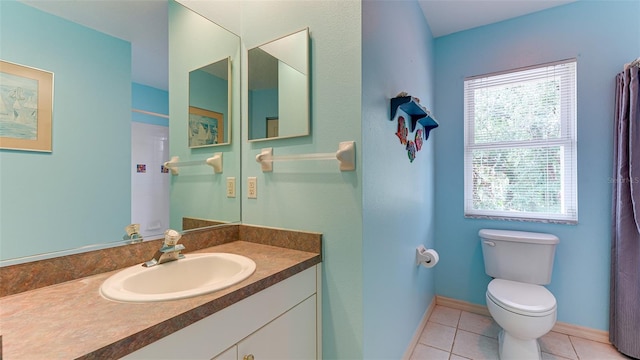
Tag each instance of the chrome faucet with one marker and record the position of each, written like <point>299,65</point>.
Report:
<point>169,251</point>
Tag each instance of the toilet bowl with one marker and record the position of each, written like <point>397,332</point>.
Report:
<point>520,263</point>
<point>525,312</point>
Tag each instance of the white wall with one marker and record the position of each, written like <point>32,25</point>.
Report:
<point>150,189</point>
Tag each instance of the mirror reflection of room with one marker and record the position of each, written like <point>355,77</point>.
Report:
<point>278,80</point>
<point>119,115</point>
<point>204,116</point>
<point>209,96</point>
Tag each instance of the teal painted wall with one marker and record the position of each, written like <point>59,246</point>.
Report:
<point>373,294</point>
<point>398,196</point>
<point>602,35</point>
<point>48,201</point>
<point>150,99</point>
<point>315,195</point>
<point>371,219</point>
<point>197,192</point>
<point>262,104</point>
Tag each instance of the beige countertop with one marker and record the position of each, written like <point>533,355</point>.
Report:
<point>72,320</point>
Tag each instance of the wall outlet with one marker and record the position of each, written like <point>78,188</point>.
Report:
<point>252,188</point>
<point>231,187</point>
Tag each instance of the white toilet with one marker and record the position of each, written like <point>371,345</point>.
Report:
<point>520,263</point>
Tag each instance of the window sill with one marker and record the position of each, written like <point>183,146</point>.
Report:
<point>522,219</point>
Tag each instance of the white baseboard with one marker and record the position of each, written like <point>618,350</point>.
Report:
<point>416,335</point>
<point>560,327</point>
<point>583,332</point>
<point>462,305</point>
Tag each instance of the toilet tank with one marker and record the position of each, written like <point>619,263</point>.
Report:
<point>518,255</point>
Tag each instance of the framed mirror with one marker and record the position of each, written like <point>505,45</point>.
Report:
<point>278,81</point>
<point>209,104</point>
<point>81,196</point>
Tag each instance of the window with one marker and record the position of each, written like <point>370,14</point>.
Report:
<point>520,144</point>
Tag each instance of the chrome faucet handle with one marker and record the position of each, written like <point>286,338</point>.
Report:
<point>171,237</point>
<point>169,251</point>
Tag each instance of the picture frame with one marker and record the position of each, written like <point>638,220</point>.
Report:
<point>26,108</point>
<point>206,127</point>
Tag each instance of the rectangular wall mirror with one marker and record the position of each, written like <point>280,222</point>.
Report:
<point>209,104</point>
<point>99,107</point>
<point>278,81</point>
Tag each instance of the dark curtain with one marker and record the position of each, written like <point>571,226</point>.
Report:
<point>624,327</point>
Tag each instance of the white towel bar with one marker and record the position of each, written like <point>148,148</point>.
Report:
<point>346,156</point>
<point>215,162</point>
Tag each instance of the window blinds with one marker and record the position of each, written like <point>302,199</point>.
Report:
<point>520,144</point>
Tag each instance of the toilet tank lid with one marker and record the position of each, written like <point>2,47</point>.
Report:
<point>518,236</point>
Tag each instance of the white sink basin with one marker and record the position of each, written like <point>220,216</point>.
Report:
<point>194,275</point>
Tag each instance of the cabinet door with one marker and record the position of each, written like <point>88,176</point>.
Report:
<point>290,336</point>
<point>229,354</point>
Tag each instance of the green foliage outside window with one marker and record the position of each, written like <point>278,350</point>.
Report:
<point>522,178</point>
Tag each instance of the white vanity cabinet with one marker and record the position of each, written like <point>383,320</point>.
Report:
<point>290,336</point>
<point>279,322</point>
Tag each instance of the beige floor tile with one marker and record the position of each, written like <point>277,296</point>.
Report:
<point>547,356</point>
<point>458,335</point>
<point>456,357</point>
<point>438,336</point>
<point>592,350</point>
<point>445,316</point>
<point>557,344</point>
<point>478,324</point>
<point>474,346</point>
<point>428,353</point>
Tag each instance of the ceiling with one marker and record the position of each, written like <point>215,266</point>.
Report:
<point>144,23</point>
<point>449,16</point>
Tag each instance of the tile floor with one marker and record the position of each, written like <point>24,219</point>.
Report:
<point>452,334</point>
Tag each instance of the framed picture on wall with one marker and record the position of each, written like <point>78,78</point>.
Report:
<point>26,107</point>
<point>206,127</point>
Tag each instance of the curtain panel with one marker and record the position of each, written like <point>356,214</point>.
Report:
<point>624,324</point>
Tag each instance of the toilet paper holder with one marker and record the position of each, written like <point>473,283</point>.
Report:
<point>428,258</point>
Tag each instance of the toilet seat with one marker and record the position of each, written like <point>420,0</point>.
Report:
<point>521,298</point>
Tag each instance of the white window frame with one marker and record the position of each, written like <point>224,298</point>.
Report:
<point>567,142</point>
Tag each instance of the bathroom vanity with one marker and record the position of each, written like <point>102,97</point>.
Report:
<point>273,313</point>
<point>276,323</point>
